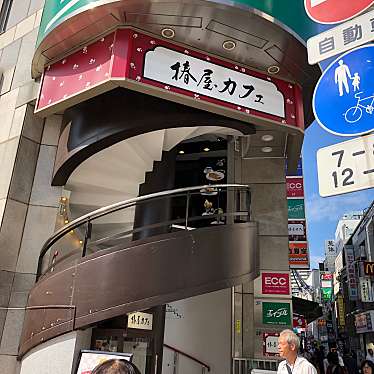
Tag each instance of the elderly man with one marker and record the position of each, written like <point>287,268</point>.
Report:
<point>288,345</point>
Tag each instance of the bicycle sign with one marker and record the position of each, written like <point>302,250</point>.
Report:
<point>343,100</point>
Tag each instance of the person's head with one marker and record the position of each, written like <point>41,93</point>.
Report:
<point>116,367</point>
<point>340,62</point>
<point>370,351</point>
<point>367,367</point>
<point>288,344</point>
<point>333,358</point>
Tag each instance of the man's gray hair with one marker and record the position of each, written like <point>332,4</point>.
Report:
<point>291,338</point>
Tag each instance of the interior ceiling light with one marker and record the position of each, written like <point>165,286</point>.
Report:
<point>181,152</point>
<point>274,69</point>
<point>206,149</point>
<point>267,138</point>
<point>266,149</point>
<point>168,33</point>
<point>229,45</point>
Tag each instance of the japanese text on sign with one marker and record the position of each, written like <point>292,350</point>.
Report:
<point>349,35</point>
<point>139,320</point>
<point>208,79</point>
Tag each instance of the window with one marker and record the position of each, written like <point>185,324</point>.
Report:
<point>4,14</point>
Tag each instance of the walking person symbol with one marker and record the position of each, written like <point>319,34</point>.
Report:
<point>341,77</point>
<point>356,82</point>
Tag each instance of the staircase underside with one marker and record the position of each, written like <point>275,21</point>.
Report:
<point>151,272</point>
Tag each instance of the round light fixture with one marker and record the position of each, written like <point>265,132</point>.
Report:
<point>181,152</point>
<point>229,45</point>
<point>266,149</point>
<point>274,69</point>
<point>206,149</point>
<point>168,33</point>
<point>267,138</point>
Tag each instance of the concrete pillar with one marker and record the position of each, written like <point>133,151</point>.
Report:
<point>266,178</point>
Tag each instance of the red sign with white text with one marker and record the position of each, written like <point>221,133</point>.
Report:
<point>276,283</point>
<point>335,11</point>
<point>295,186</point>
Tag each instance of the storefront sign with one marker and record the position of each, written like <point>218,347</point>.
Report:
<point>326,293</point>
<point>276,283</point>
<point>296,209</point>
<point>335,11</point>
<point>140,321</point>
<point>340,310</point>
<point>202,77</point>
<point>366,290</point>
<point>276,313</point>
<point>88,360</point>
<point>330,249</point>
<point>347,166</point>
<point>364,322</point>
<point>326,276</point>
<point>298,255</point>
<point>295,186</point>
<point>299,322</point>
<point>369,268</point>
<point>351,273</point>
<point>297,230</point>
<point>130,59</point>
<point>270,344</point>
<point>341,38</point>
<point>348,84</point>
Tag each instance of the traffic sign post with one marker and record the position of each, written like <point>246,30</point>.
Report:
<point>341,38</point>
<point>343,100</point>
<point>346,167</point>
<point>335,11</point>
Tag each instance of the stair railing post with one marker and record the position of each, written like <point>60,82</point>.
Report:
<point>87,236</point>
<point>187,209</point>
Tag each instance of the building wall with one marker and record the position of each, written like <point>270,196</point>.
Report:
<point>27,149</point>
<point>203,331</point>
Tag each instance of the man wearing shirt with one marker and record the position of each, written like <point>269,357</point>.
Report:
<point>288,345</point>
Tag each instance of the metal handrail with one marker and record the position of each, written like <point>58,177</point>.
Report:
<point>87,218</point>
<point>187,355</point>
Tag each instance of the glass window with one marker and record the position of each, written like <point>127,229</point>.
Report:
<point>4,14</point>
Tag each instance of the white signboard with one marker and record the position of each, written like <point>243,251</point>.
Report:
<point>341,38</point>
<point>346,167</point>
<point>330,249</point>
<point>271,344</point>
<point>141,321</point>
<point>296,229</point>
<point>366,290</point>
<point>205,78</point>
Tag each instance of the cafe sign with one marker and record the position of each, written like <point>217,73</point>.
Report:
<point>276,313</point>
<point>127,58</point>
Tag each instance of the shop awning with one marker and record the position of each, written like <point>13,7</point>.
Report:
<point>310,310</point>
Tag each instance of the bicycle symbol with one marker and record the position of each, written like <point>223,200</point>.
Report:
<point>354,113</point>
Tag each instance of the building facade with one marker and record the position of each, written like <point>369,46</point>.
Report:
<point>143,195</point>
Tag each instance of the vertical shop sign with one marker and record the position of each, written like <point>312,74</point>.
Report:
<point>352,283</point>
<point>276,313</point>
<point>340,311</point>
<point>298,255</point>
<point>366,290</point>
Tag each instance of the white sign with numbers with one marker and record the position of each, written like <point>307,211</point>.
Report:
<point>346,167</point>
<point>271,344</point>
<point>341,38</point>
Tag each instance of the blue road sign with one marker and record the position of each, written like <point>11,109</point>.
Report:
<point>343,100</point>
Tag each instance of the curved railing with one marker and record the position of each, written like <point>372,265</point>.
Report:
<point>186,208</point>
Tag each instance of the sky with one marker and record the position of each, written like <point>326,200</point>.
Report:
<point>323,213</point>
